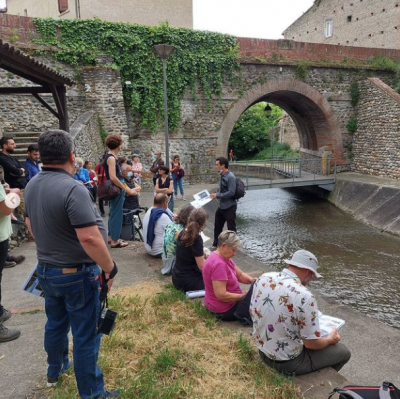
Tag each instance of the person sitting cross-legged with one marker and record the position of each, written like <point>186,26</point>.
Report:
<point>155,221</point>
<point>221,276</point>
<point>285,320</point>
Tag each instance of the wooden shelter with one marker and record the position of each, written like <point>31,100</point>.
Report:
<point>47,80</point>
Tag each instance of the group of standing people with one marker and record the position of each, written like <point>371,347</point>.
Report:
<point>14,176</point>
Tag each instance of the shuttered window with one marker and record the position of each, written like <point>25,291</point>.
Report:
<point>62,5</point>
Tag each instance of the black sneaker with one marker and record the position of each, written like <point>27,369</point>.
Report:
<point>5,315</point>
<point>7,334</point>
<point>213,247</point>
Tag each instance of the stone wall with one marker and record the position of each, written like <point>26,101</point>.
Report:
<point>372,23</point>
<point>288,133</point>
<point>376,144</point>
<point>87,140</point>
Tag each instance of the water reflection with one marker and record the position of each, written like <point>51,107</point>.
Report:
<point>359,263</point>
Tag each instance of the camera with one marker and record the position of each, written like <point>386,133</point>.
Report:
<point>106,321</point>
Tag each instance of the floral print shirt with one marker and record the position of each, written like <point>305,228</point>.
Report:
<point>169,247</point>
<point>283,312</point>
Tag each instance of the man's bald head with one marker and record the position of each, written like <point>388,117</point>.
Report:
<point>160,200</point>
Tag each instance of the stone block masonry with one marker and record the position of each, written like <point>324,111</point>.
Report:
<point>376,144</point>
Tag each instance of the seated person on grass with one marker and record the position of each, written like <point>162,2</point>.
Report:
<point>170,238</point>
<point>155,221</point>
<point>221,276</point>
<point>187,275</point>
<point>285,320</point>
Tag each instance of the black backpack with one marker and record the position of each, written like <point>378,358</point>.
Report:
<point>385,391</point>
<point>240,191</point>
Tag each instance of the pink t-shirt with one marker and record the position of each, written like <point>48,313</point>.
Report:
<point>217,268</point>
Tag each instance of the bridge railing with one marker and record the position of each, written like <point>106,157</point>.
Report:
<point>307,169</point>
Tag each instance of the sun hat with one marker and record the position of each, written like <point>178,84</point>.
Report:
<point>305,260</point>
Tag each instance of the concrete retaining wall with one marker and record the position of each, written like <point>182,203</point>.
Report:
<point>373,203</point>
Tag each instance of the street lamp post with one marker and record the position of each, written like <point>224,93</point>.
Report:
<point>164,51</point>
<point>268,111</point>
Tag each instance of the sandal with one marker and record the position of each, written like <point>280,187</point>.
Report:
<point>121,244</point>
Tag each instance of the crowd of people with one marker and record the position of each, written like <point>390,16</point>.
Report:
<point>279,306</point>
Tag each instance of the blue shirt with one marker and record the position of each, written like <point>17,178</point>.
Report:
<point>32,168</point>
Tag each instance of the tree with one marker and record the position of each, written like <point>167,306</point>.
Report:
<point>251,133</point>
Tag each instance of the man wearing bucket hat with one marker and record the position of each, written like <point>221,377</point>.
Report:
<point>285,320</point>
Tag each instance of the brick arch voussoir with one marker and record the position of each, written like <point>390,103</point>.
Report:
<point>332,137</point>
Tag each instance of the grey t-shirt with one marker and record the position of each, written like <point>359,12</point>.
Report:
<point>56,205</point>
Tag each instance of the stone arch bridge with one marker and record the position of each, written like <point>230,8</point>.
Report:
<point>311,82</point>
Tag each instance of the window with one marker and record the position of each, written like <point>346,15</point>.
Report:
<point>3,5</point>
<point>62,5</point>
<point>328,27</point>
<point>349,18</point>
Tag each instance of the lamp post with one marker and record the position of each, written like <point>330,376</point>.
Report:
<point>268,111</point>
<point>164,51</point>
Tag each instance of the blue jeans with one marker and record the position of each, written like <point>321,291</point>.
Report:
<point>171,203</point>
<point>115,216</point>
<point>72,301</point>
<point>177,182</point>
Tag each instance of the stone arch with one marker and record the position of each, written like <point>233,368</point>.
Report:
<point>310,110</point>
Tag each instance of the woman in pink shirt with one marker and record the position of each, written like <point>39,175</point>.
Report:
<point>221,276</point>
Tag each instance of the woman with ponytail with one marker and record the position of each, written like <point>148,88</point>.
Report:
<point>187,275</point>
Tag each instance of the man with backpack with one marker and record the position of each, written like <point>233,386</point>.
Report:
<point>226,195</point>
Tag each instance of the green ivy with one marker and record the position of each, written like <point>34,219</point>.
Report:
<point>352,126</point>
<point>354,93</point>
<point>200,60</point>
<point>301,69</point>
<point>102,130</point>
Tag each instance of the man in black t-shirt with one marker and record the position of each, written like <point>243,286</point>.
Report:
<point>14,172</point>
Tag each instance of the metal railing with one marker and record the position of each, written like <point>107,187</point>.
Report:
<point>310,171</point>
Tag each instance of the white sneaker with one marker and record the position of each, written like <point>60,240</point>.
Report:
<point>183,197</point>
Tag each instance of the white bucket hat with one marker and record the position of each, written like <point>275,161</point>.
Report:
<point>305,260</point>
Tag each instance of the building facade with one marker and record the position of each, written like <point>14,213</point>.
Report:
<point>179,13</point>
<point>360,23</point>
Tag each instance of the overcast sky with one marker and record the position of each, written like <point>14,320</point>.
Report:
<point>264,19</point>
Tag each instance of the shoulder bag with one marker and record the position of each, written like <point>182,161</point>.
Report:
<point>107,190</point>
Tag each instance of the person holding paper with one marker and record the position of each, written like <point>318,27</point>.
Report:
<point>187,275</point>
<point>286,327</point>
<point>221,276</point>
<point>226,211</point>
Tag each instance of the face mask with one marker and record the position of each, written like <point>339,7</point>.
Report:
<point>220,172</point>
<point>154,157</point>
<point>130,174</point>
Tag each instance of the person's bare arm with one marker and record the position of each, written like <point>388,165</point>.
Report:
<point>162,190</point>
<point>222,294</point>
<point>93,243</point>
<point>4,209</point>
<point>321,343</point>
<point>200,261</point>
<point>243,277</point>
<point>112,170</point>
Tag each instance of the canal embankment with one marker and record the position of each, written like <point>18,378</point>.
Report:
<point>371,200</point>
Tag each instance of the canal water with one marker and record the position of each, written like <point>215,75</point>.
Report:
<point>360,264</point>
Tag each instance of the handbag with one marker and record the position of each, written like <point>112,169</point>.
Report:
<point>386,391</point>
<point>107,190</point>
<point>180,173</point>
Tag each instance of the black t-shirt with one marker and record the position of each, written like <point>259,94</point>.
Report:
<point>186,270</point>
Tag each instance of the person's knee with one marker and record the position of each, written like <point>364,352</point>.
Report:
<point>345,353</point>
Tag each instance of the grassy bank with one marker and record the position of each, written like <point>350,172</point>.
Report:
<point>165,346</point>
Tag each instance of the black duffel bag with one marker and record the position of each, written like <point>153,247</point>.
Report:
<point>386,391</point>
